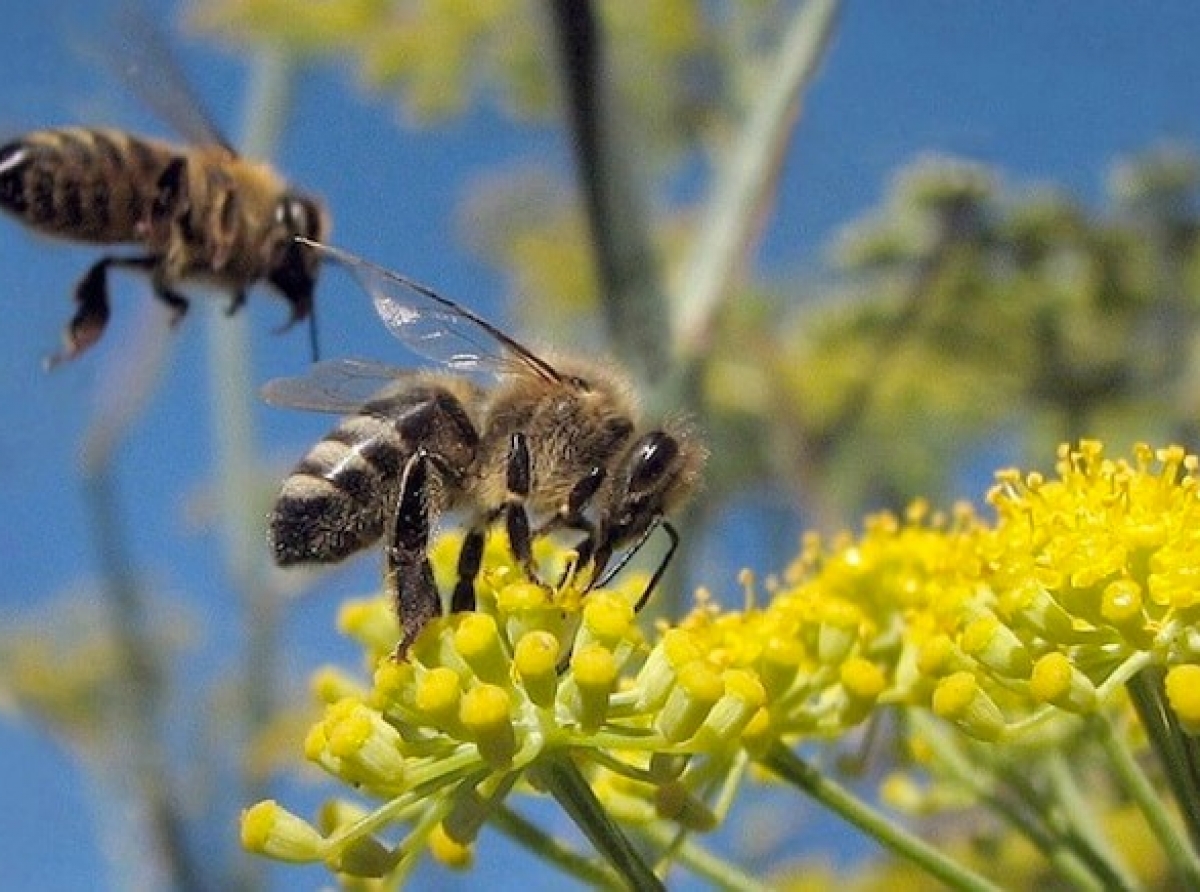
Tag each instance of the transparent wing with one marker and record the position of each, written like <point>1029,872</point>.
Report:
<point>340,386</point>
<point>140,56</point>
<point>438,328</point>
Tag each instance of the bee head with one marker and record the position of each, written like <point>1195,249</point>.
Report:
<point>295,265</point>
<point>657,473</point>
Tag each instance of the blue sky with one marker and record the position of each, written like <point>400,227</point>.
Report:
<point>1046,92</point>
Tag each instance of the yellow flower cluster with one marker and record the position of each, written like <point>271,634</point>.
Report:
<point>487,698</point>
<point>1080,582</point>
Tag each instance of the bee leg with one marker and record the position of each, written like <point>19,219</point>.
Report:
<point>605,553</point>
<point>92,307</point>
<point>91,315</point>
<point>176,302</point>
<point>571,516</point>
<point>662,565</point>
<point>516,518</point>
<point>409,575</point>
<point>470,558</point>
<point>236,302</point>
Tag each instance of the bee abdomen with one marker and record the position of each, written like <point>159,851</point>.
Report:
<point>88,185</point>
<point>335,502</point>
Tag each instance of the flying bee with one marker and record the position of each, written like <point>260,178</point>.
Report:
<point>551,444</point>
<point>198,211</point>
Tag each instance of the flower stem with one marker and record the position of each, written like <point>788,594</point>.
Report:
<point>1134,781</point>
<point>1021,810</point>
<point>562,778</point>
<point>1078,826</point>
<point>735,214</point>
<point>631,293</point>
<point>841,801</point>
<point>1174,752</point>
<point>235,446</point>
<point>526,833</point>
<point>719,873</point>
<point>141,699</point>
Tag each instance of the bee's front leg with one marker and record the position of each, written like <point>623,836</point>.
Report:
<point>519,479</point>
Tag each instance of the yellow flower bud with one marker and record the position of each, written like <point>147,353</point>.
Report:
<point>392,681</point>
<point>477,640</point>
<point>1121,603</point>
<point>744,696</point>
<point>862,679</point>
<point>330,684</point>
<point>519,596</point>
<point>595,671</point>
<point>370,750</point>
<point>657,675</point>
<point>938,656</point>
<point>1183,693</point>
<point>370,622</point>
<point>606,618</point>
<point>448,852</point>
<point>996,646</point>
<point>485,714</point>
<point>270,829</point>
<point>838,631</point>
<point>959,699</point>
<point>699,686</point>
<point>439,692</point>
<point>781,661</point>
<point>536,660</point>
<point>1055,680</point>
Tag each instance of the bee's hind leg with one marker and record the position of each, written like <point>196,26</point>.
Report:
<point>408,575</point>
<point>92,307</point>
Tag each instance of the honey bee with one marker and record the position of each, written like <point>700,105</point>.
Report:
<point>551,444</point>
<point>198,211</point>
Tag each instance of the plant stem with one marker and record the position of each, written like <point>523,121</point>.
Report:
<point>524,832</point>
<point>718,872</point>
<point>235,450</point>
<point>1179,768</point>
<point>1135,783</point>
<point>841,801</point>
<point>563,780</point>
<point>737,210</point>
<point>1021,809</point>
<point>140,699</point>
<point>630,288</point>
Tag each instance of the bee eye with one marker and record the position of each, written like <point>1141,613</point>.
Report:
<point>652,457</point>
<point>299,216</point>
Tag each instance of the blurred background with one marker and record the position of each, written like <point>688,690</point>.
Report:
<point>878,257</point>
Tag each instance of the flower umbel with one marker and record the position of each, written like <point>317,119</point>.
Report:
<point>996,648</point>
<point>535,683</point>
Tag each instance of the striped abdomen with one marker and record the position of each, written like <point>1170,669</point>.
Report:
<point>342,495</point>
<point>92,185</point>
<point>336,501</point>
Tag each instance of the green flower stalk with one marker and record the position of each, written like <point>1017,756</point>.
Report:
<point>1005,654</point>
